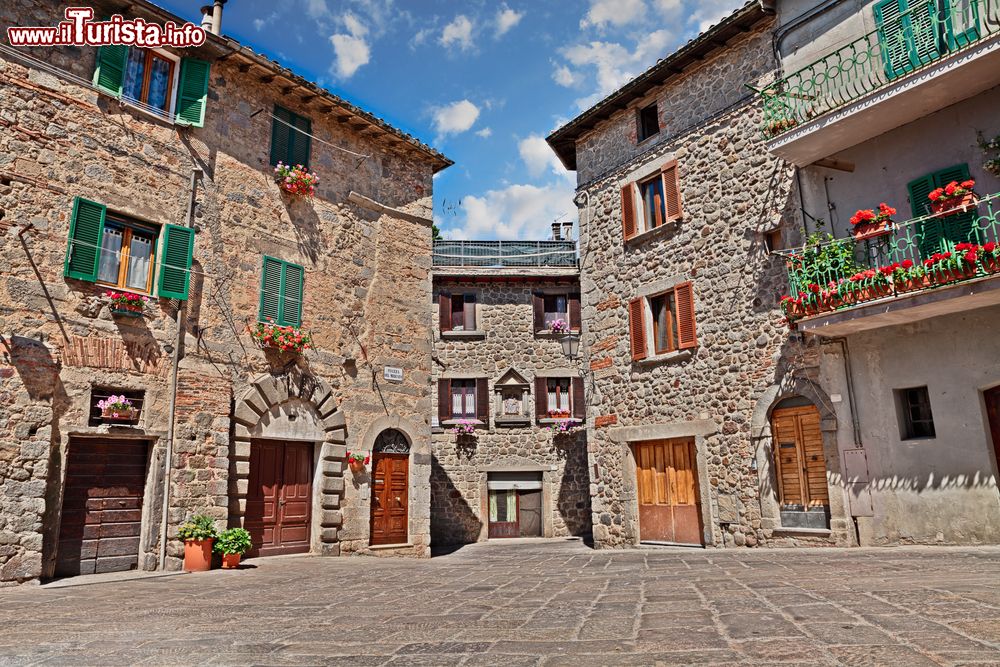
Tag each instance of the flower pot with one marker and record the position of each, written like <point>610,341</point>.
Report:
<point>198,555</point>
<point>913,284</point>
<point>942,208</point>
<point>871,230</point>
<point>131,414</point>
<point>992,265</point>
<point>355,466</point>
<point>230,561</point>
<point>125,311</point>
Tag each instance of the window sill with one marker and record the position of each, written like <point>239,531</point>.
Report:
<point>665,358</point>
<point>455,422</point>
<point>464,335</point>
<point>654,233</point>
<point>546,333</point>
<point>163,116</point>
<point>556,420</point>
<point>501,422</point>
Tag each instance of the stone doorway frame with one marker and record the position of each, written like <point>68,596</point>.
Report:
<point>313,400</point>
<point>417,519</point>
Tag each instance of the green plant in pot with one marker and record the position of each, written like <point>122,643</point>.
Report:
<point>198,533</point>
<point>232,544</point>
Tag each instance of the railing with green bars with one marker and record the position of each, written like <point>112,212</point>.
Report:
<point>910,35</point>
<point>921,254</point>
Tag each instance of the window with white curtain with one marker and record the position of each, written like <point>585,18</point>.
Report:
<point>127,250</point>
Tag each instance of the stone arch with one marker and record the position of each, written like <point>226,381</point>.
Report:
<point>294,406</point>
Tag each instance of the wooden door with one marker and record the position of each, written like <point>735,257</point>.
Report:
<point>390,504</point>
<point>102,506</point>
<point>799,460</point>
<point>279,497</point>
<point>504,513</point>
<point>667,484</point>
<point>993,414</point>
<point>529,513</point>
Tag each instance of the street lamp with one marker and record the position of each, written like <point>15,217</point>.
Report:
<point>570,345</point>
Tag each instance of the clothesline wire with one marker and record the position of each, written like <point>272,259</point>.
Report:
<point>311,136</point>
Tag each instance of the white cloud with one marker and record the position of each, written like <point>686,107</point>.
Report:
<point>485,133</point>
<point>317,9</point>
<point>613,64</point>
<point>351,48</point>
<point>564,76</point>
<point>539,158</point>
<point>515,212</point>
<point>613,12</point>
<point>458,32</point>
<point>455,118</point>
<point>259,24</point>
<point>353,25</point>
<point>506,19</point>
<point>420,37</point>
<point>709,12</point>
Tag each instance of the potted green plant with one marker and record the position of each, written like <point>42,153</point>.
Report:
<point>117,409</point>
<point>198,534</point>
<point>357,461</point>
<point>232,543</point>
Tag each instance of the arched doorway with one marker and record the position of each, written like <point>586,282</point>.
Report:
<point>390,488</point>
<point>800,465</point>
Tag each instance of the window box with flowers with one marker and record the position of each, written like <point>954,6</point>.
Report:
<point>464,428</point>
<point>869,224</point>
<point>867,285</point>
<point>357,461</point>
<point>953,199</point>
<point>947,267</point>
<point>270,336</point>
<point>990,257</point>
<point>559,326</point>
<point>126,304</point>
<point>118,409</point>
<point>295,180</point>
<point>562,427</point>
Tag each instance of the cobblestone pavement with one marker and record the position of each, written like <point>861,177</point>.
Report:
<point>531,603</point>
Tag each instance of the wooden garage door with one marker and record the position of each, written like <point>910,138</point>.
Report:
<point>279,497</point>
<point>799,460</point>
<point>669,501</point>
<point>102,506</point>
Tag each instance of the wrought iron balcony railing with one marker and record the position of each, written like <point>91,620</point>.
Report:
<point>921,254</point>
<point>905,42</point>
<point>505,254</point>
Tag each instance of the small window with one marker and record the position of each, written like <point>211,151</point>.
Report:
<point>774,240</point>
<point>664,323</point>
<point>463,312</point>
<point>281,292</point>
<point>916,420</point>
<point>149,78</point>
<point>649,122</point>
<point>558,395</point>
<point>463,399</point>
<point>290,138</point>
<point>556,308</point>
<point>654,210</point>
<point>127,251</point>
<point>98,394</point>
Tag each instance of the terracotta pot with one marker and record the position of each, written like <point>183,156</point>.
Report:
<point>355,466</point>
<point>913,284</point>
<point>123,415</point>
<point>198,555</point>
<point>992,265</point>
<point>230,561</point>
<point>872,230</point>
<point>942,208</point>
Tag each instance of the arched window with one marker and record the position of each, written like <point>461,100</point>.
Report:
<point>392,441</point>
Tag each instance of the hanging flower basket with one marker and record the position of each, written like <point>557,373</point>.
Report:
<point>953,199</point>
<point>295,180</point>
<point>562,427</point>
<point>117,409</point>
<point>357,461</point>
<point>270,336</point>
<point>464,427</point>
<point>126,304</point>
<point>869,224</point>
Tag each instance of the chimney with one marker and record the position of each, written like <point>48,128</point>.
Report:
<point>206,18</point>
<point>211,17</point>
<point>567,231</point>
<point>555,231</point>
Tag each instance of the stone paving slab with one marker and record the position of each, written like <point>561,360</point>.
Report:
<point>539,604</point>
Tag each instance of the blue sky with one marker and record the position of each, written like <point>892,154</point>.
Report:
<point>484,82</point>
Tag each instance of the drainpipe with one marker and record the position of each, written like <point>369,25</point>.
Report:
<point>851,402</point>
<point>196,173</point>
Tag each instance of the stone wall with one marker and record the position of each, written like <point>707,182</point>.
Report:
<point>460,466</point>
<point>366,288</point>
<point>732,191</point>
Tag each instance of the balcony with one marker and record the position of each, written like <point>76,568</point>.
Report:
<point>505,254</point>
<point>915,63</point>
<point>929,266</point>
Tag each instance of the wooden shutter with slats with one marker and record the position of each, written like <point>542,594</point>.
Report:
<point>483,400</point>
<point>301,141</point>
<point>672,191</point>
<point>684,303</point>
<point>110,72</point>
<point>538,311</point>
<point>541,398</point>
<point>281,135</point>
<point>957,227</point>
<point>270,291</point>
<point>444,401</point>
<point>291,295</point>
<point>192,92</point>
<point>628,212</point>
<point>86,229</point>
<point>579,401</point>
<point>637,329</point>
<point>444,311</point>
<point>575,318</point>
<point>469,311</point>
<point>175,262</point>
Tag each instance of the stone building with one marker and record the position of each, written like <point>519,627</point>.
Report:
<point>690,359</point>
<point>500,368</point>
<point>908,103</point>
<point>150,172</point>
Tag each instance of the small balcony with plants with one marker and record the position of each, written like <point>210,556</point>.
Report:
<point>889,272</point>
<point>922,57</point>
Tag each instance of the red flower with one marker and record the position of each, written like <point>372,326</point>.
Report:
<point>814,288</point>
<point>907,264</point>
<point>950,188</point>
<point>990,247</point>
<point>971,257</point>
<point>935,194</point>
<point>968,185</point>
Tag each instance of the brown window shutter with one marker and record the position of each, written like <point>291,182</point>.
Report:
<point>538,310</point>
<point>684,300</point>
<point>541,398</point>
<point>579,402</point>
<point>483,400</point>
<point>470,312</point>
<point>628,212</point>
<point>575,320</point>
<point>444,400</point>
<point>672,191</point>
<point>444,309</point>
<point>637,328</point>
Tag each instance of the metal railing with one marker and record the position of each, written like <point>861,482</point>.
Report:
<point>843,273</point>
<point>505,254</point>
<point>905,42</point>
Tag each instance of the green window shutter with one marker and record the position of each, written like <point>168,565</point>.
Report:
<point>301,142</point>
<point>960,172</point>
<point>962,27</point>
<point>920,205</point>
<point>961,227</point>
<point>893,36</point>
<point>927,29</point>
<point>175,262</point>
<point>927,232</point>
<point>270,290</point>
<point>110,70</point>
<point>281,135</point>
<point>291,295</point>
<point>86,229</point>
<point>192,92</point>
